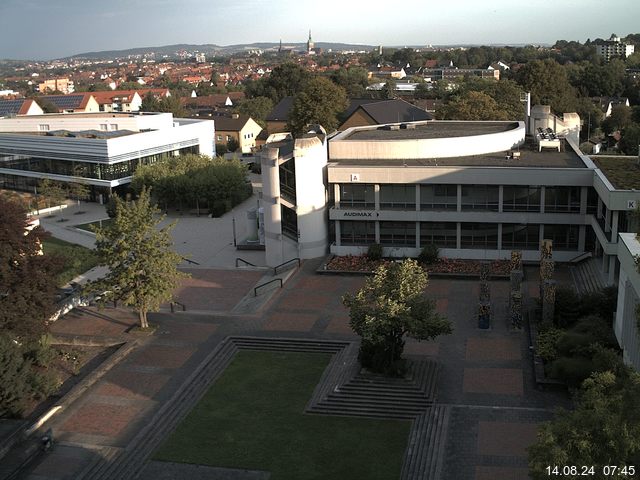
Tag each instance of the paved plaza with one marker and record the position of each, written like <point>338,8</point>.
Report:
<point>486,377</point>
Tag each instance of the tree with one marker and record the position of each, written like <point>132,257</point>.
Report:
<point>78,189</point>
<point>143,269</point>
<point>232,145</point>
<point>548,83</point>
<point>27,279</point>
<point>46,105</point>
<point>319,102</point>
<point>285,80</point>
<point>52,192</point>
<point>354,80</point>
<point>604,428</point>
<point>391,305</point>
<point>472,106</point>
<point>389,89</point>
<point>257,108</point>
<point>630,139</point>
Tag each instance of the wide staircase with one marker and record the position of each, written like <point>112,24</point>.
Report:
<point>587,276</point>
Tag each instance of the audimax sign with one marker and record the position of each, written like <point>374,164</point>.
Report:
<point>360,214</point>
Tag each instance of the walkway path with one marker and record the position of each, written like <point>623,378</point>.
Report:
<point>485,384</point>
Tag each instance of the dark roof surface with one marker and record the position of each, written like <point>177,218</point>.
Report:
<point>395,111</point>
<point>66,102</point>
<point>280,112</point>
<point>228,123</point>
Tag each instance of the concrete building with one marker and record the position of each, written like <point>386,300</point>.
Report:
<point>614,48</point>
<point>100,150</point>
<point>626,319</point>
<point>63,85</point>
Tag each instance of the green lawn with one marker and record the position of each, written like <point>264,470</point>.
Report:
<point>252,418</point>
<point>77,259</point>
<point>87,226</point>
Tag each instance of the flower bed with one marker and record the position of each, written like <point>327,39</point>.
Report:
<point>453,266</point>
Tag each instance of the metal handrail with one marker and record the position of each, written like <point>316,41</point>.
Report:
<point>275,269</point>
<point>238,259</point>
<point>184,307</point>
<point>255,290</point>
<point>190,261</point>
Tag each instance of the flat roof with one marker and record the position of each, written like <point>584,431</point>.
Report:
<point>529,157</point>
<point>622,171</point>
<point>432,129</point>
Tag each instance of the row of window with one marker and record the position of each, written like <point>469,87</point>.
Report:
<point>444,235</point>
<point>81,169</point>
<point>515,198</point>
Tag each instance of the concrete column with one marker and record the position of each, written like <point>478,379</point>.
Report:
<point>271,205</point>
<point>459,201</point>
<point>336,194</point>
<point>500,198</point>
<point>542,194</point>
<point>612,269</point>
<point>614,226</point>
<point>584,192</point>
<point>417,197</point>
<point>582,235</point>
<point>458,234</point>
<point>605,262</point>
<point>599,210</point>
<point>376,196</point>
<point>499,236</point>
<point>338,233</point>
<point>377,231</point>
<point>541,235</point>
<point>607,221</point>
<point>417,234</point>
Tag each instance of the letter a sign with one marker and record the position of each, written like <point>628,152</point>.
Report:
<point>355,177</point>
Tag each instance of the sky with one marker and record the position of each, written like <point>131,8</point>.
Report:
<point>47,29</point>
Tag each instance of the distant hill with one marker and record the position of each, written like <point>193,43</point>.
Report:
<point>172,50</point>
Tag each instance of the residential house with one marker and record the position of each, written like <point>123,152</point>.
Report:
<point>19,106</point>
<point>241,128</point>
<point>73,103</point>
<point>64,85</point>
<point>279,117</point>
<point>363,112</point>
<point>118,101</point>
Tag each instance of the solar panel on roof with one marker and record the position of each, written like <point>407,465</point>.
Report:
<point>10,107</point>
<point>65,102</point>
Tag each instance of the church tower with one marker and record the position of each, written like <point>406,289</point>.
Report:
<point>310,45</point>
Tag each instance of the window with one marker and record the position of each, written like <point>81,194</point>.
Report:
<point>289,222</point>
<point>480,197</point>
<point>564,237</point>
<point>219,138</point>
<point>441,234</point>
<point>288,180</point>
<point>229,138</point>
<point>562,199</point>
<point>43,127</point>
<point>520,236</point>
<point>398,234</point>
<point>523,198</point>
<point>479,235</point>
<point>401,197</point>
<point>357,196</point>
<point>438,197</point>
<point>104,127</point>
<point>357,233</point>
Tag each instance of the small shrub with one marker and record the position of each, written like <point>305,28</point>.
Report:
<point>572,370</point>
<point>374,252</point>
<point>40,351</point>
<point>568,309</point>
<point>429,254</point>
<point>548,344</point>
<point>256,167</point>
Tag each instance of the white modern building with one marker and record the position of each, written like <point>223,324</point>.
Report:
<point>614,48</point>
<point>100,149</point>
<point>626,322</point>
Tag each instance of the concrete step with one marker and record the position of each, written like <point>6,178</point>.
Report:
<point>424,456</point>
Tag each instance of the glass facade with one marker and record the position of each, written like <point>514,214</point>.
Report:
<point>438,197</point>
<point>76,168</point>
<point>520,236</point>
<point>289,222</point>
<point>479,235</point>
<point>564,237</point>
<point>441,234</point>
<point>288,180</point>
<point>521,198</point>
<point>562,199</point>
<point>357,233</point>
<point>360,195</point>
<point>398,234</point>
<point>398,196</point>
<point>480,197</point>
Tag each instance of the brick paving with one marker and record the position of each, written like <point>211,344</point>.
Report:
<point>486,376</point>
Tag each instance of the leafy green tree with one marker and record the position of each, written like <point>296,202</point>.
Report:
<point>354,80</point>
<point>630,139</point>
<point>548,83</point>
<point>232,145</point>
<point>285,80</point>
<point>319,102</point>
<point>619,119</point>
<point>257,108</point>
<point>143,268</point>
<point>389,89</point>
<point>604,428</point>
<point>472,106</point>
<point>78,189</point>
<point>423,90</point>
<point>27,279</point>
<point>392,304</point>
